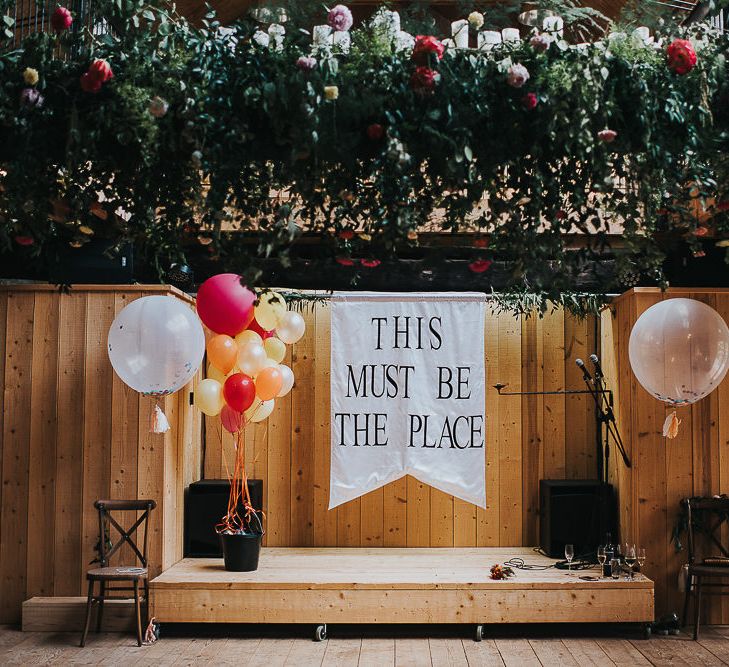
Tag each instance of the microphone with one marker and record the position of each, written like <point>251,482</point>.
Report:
<point>598,369</point>
<point>585,373</point>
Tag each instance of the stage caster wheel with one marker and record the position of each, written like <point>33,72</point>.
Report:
<point>647,631</point>
<point>320,634</point>
<point>478,634</point>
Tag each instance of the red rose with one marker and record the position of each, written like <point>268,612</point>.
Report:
<point>529,101</point>
<point>24,240</point>
<point>61,19</point>
<point>375,132</point>
<point>425,46</point>
<point>101,70</point>
<point>345,261</point>
<point>480,265</point>
<point>98,74</point>
<point>346,235</point>
<point>681,56</point>
<point>424,80</point>
<point>370,263</point>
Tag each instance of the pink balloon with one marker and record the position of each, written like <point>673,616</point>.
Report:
<point>224,305</point>
<point>232,421</point>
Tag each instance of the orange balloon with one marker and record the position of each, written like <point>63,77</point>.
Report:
<point>222,353</point>
<point>268,383</point>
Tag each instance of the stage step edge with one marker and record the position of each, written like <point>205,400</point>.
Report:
<point>67,614</point>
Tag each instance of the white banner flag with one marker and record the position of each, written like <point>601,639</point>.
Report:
<point>407,393</point>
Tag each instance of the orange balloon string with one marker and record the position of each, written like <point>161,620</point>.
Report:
<point>239,494</point>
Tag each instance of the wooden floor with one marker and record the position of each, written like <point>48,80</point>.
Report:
<point>378,647</point>
<point>390,585</point>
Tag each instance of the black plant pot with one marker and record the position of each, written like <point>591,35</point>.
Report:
<point>241,551</point>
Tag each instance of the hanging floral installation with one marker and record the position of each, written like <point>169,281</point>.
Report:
<point>240,140</point>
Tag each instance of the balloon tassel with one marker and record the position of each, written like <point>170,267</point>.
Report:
<point>670,426</point>
<point>159,421</point>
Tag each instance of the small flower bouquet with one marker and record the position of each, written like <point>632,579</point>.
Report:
<point>499,572</point>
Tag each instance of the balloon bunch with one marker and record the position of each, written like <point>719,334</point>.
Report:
<point>245,375</point>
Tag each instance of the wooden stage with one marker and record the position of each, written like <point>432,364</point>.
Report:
<point>358,585</point>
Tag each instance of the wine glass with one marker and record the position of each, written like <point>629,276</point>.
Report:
<point>601,556</point>
<point>641,557</point>
<point>630,559</point>
<point>569,554</point>
<point>618,553</point>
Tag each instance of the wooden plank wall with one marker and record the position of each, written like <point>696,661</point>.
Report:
<point>664,471</point>
<point>527,439</point>
<point>72,432</point>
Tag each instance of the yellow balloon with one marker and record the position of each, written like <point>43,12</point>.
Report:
<point>275,349</point>
<point>247,336</point>
<point>209,397</point>
<point>270,310</point>
<point>259,411</point>
<point>216,374</point>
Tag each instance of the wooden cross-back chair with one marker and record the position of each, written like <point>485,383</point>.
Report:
<point>106,574</point>
<point>705,518</point>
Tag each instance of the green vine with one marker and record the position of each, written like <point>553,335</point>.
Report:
<point>247,152</point>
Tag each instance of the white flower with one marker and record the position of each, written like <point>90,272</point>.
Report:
<point>476,20</point>
<point>540,42</point>
<point>404,41</point>
<point>517,75</point>
<point>261,38</point>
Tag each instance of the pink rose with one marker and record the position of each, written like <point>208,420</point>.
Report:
<point>529,101</point>
<point>345,261</point>
<point>425,47</point>
<point>61,19</point>
<point>306,63</point>
<point>340,18</point>
<point>540,42</point>
<point>681,56</point>
<point>370,263</point>
<point>424,80</point>
<point>517,75</point>
<point>24,240</point>
<point>607,136</point>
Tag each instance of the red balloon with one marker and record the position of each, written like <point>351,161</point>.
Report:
<point>254,326</point>
<point>239,391</point>
<point>232,421</point>
<point>224,305</point>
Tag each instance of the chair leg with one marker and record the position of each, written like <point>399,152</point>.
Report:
<point>138,610</point>
<point>100,614</point>
<point>697,610</point>
<point>686,599</point>
<point>89,602</point>
<point>146,604</point>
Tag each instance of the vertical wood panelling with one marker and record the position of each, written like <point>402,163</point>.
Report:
<point>42,449</point>
<point>69,443</point>
<point>302,437</point>
<point>16,439</point>
<point>76,433</point>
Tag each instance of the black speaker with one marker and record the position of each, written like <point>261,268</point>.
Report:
<point>206,502</point>
<point>575,511</point>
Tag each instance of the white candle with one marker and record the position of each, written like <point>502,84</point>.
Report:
<point>342,40</point>
<point>459,31</point>
<point>553,25</point>
<point>276,32</point>
<point>510,35</point>
<point>488,39</point>
<point>322,35</point>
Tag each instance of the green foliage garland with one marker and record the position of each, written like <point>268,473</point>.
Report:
<point>253,151</point>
